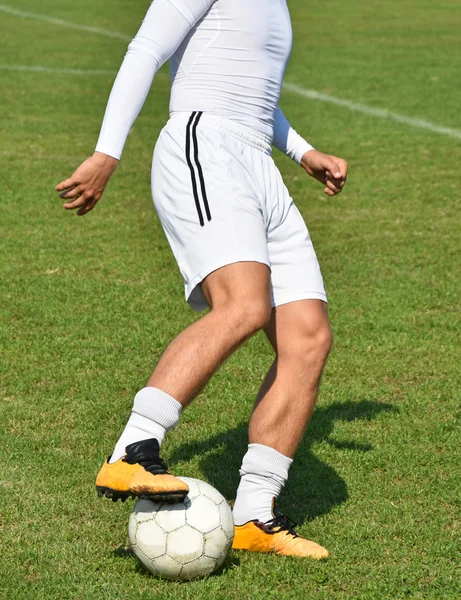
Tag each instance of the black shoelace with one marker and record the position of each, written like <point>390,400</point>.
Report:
<point>281,523</point>
<point>146,453</point>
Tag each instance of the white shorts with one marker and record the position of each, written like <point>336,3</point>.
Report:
<point>221,200</point>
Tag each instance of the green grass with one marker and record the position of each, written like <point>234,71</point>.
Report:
<point>87,306</point>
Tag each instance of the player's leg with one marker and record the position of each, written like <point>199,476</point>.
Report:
<point>300,334</point>
<point>239,297</point>
<point>301,337</point>
<point>207,185</point>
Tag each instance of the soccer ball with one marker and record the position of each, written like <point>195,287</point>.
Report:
<point>185,540</point>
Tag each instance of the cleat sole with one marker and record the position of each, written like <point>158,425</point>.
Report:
<point>115,495</point>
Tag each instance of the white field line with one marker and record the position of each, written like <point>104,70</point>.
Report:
<point>289,87</point>
<point>373,112</point>
<point>62,23</point>
<point>43,69</point>
<point>40,69</point>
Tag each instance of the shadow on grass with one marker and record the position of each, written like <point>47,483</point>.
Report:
<point>314,487</point>
<point>123,552</point>
<point>231,562</point>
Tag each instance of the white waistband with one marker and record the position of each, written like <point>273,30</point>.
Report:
<point>240,132</point>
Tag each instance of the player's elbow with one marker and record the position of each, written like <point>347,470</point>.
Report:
<point>142,48</point>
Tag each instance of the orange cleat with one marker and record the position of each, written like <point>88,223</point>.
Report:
<point>140,473</point>
<point>277,536</point>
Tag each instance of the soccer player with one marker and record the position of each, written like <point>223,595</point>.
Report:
<point>240,242</point>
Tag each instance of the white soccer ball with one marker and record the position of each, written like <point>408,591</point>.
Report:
<point>185,540</point>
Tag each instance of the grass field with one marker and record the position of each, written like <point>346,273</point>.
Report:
<point>88,304</point>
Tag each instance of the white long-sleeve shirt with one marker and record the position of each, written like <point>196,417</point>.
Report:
<point>227,58</point>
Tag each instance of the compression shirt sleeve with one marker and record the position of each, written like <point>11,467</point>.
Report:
<point>287,140</point>
<point>165,26</point>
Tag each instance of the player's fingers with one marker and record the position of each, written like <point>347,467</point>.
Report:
<point>333,186</point>
<point>66,184</point>
<point>77,203</point>
<point>342,167</point>
<point>91,203</point>
<point>329,192</point>
<point>331,167</point>
<point>72,192</point>
<point>85,209</point>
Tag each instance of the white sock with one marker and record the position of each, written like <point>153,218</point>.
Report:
<point>263,474</point>
<point>154,413</point>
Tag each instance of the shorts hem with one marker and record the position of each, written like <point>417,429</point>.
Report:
<point>286,299</point>
<point>195,304</point>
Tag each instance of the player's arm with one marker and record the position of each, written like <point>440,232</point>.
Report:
<point>329,170</point>
<point>165,25</point>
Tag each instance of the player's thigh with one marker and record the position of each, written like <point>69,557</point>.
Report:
<point>244,284</point>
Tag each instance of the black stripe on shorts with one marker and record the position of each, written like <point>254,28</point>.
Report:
<point>196,172</point>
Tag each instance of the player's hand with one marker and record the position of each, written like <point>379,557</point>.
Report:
<point>329,170</point>
<point>86,186</point>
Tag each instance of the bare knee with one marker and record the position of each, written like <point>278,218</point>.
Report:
<point>245,316</point>
<point>310,348</point>
<point>255,315</point>
<point>239,295</point>
<point>322,341</point>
